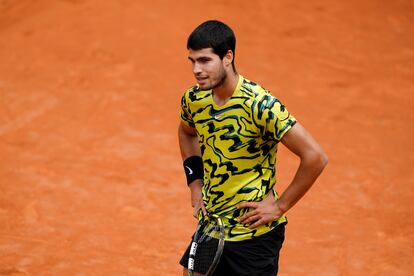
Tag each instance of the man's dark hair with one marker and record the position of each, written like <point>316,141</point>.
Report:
<point>213,34</point>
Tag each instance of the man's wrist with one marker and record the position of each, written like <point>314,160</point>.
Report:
<point>193,168</point>
<point>281,206</point>
<point>196,185</point>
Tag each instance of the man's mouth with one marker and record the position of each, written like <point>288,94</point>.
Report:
<point>201,79</point>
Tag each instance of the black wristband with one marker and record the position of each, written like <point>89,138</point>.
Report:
<point>194,169</point>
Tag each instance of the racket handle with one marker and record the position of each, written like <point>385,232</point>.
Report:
<point>192,254</point>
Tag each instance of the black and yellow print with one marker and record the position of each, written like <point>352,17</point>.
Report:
<point>238,141</point>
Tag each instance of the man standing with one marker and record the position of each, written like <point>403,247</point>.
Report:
<point>229,133</point>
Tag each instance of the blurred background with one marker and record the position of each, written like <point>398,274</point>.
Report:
<point>91,181</point>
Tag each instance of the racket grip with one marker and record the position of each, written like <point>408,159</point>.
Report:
<point>193,250</point>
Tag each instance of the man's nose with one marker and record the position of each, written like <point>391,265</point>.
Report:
<point>196,68</point>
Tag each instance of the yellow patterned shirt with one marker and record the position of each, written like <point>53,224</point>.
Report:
<point>238,142</point>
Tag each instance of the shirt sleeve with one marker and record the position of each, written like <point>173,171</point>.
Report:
<point>273,117</point>
<point>185,116</point>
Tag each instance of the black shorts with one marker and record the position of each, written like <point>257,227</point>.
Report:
<point>258,256</point>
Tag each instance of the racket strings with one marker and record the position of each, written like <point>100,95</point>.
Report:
<point>207,247</point>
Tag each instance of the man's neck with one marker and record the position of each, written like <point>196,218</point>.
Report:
<point>225,91</point>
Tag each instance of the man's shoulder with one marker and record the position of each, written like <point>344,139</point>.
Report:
<point>254,91</point>
<point>253,88</point>
<point>192,89</point>
<point>259,96</point>
<point>194,93</point>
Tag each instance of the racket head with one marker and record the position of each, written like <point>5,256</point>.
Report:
<point>207,245</point>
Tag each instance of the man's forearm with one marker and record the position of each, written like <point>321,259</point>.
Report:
<point>309,169</point>
<point>189,146</point>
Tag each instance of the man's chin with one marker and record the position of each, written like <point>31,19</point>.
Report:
<point>204,86</point>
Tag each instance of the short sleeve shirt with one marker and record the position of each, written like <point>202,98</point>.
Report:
<point>238,142</point>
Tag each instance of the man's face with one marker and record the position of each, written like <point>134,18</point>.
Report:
<point>208,68</point>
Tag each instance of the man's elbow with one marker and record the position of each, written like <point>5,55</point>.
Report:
<point>322,159</point>
<point>317,159</point>
<point>325,159</point>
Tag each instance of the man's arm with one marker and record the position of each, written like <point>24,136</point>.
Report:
<point>189,146</point>
<point>312,161</point>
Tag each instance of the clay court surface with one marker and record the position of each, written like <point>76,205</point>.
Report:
<point>91,181</point>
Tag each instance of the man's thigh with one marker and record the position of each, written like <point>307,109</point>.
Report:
<point>257,256</point>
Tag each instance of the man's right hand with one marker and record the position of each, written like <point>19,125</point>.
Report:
<point>197,197</point>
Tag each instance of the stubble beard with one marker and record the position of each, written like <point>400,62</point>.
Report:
<point>222,79</point>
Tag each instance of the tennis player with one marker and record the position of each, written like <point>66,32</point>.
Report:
<point>229,133</point>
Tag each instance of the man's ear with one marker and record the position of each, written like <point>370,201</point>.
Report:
<point>228,58</point>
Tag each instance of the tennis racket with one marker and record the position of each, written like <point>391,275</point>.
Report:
<point>207,246</point>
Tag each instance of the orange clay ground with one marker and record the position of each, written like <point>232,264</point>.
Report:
<point>91,181</point>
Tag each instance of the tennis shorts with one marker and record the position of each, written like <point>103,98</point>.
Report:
<point>258,256</point>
